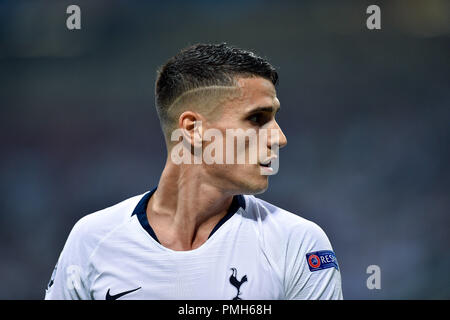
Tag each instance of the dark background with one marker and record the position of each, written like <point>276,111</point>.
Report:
<point>366,114</point>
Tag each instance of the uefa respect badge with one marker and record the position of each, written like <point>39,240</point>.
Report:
<point>320,260</point>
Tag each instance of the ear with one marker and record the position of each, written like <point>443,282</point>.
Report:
<point>191,125</point>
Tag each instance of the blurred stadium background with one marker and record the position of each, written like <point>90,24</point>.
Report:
<point>366,114</point>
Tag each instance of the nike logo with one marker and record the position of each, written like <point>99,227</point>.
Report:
<point>117,296</point>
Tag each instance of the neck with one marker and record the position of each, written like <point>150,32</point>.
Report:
<point>185,208</point>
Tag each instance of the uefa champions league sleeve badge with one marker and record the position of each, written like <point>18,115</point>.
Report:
<point>320,260</point>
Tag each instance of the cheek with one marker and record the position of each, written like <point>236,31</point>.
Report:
<point>240,146</point>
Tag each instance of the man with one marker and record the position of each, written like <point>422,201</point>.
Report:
<point>200,233</point>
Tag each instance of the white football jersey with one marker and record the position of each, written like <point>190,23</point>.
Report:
<point>257,251</point>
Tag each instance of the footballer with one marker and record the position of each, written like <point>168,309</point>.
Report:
<point>200,233</point>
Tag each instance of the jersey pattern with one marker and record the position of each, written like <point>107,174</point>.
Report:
<point>257,251</point>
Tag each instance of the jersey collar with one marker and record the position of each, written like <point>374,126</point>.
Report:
<point>141,212</point>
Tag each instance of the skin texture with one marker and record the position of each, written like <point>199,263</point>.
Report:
<point>192,198</point>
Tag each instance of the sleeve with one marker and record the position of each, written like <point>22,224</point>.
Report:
<point>312,271</point>
<point>69,280</point>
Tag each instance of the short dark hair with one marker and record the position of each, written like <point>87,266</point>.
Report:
<point>203,65</point>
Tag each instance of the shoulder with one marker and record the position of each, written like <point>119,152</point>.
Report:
<point>286,226</point>
<point>92,228</point>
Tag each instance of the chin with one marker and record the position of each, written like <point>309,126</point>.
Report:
<point>259,191</point>
<point>242,181</point>
<point>257,187</point>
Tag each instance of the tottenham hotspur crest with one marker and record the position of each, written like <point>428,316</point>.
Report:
<point>237,283</point>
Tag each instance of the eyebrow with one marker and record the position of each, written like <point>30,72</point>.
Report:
<point>264,109</point>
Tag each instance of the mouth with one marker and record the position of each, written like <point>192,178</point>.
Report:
<point>266,165</point>
<point>266,168</point>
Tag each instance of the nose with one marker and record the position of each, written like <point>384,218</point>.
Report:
<point>282,140</point>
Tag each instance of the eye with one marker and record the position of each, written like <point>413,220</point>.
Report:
<point>254,118</point>
<point>259,118</point>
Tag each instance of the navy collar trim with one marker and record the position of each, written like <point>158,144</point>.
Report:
<point>141,212</point>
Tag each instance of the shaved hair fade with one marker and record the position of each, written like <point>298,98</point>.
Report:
<point>205,66</point>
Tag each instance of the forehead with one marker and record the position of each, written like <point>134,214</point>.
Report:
<point>254,92</point>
